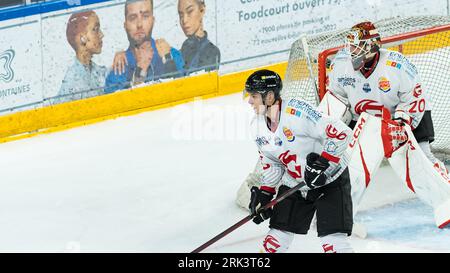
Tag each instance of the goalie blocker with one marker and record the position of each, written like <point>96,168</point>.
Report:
<point>375,138</point>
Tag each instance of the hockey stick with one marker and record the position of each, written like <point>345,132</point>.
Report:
<point>248,218</point>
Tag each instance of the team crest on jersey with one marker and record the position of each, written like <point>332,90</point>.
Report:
<point>366,87</point>
<point>384,84</point>
<point>393,64</point>
<point>288,133</point>
<point>293,111</point>
<point>278,141</point>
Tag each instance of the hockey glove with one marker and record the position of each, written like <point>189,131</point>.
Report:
<point>314,171</point>
<point>402,118</point>
<point>260,198</point>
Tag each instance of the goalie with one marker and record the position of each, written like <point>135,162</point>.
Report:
<point>368,78</point>
<point>374,84</point>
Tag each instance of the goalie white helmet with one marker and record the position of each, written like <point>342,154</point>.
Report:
<point>363,42</point>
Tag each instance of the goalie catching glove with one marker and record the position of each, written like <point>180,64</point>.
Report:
<point>314,171</point>
<point>260,198</point>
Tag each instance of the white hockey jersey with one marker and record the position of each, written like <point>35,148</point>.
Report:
<point>301,130</point>
<point>394,83</point>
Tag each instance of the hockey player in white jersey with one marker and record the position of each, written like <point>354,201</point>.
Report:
<point>296,143</point>
<point>368,78</point>
<point>380,82</point>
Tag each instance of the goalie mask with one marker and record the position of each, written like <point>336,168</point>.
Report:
<point>363,42</point>
<point>262,82</point>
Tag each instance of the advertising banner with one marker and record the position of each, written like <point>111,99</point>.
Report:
<point>113,38</point>
<point>20,64</point>
<point>89,50</point>
<point>267,27</point>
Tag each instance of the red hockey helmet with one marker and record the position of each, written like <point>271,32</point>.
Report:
<point>363,41</point>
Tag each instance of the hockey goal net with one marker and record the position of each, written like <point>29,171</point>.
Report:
<point>424,40</point>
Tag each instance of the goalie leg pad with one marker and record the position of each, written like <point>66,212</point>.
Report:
<point>243,196</point>
<point>442,214</point>
<point>366,152</point>
<point>253,179</point>
<point>430,185</point>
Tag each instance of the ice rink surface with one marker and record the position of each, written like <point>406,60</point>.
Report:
<point>165,181</point>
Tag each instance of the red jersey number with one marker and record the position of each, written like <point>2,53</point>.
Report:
<point>417,106</point>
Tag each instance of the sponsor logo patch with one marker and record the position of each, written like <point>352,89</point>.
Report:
<point>6,58</point>
<point>332,132</point>
<point>288,133</point>
<point>369,106</point>
<point>394,64</point>
<point>404,63</point>
<point>293,111</point>
<point>278,141</point>
<point>331,147</point>
<point>384,84</point>
<point>347,81</point>
<point>304,108</point>
<point>366,88</point>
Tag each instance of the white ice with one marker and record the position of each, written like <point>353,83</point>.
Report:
<point>165,181</point>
